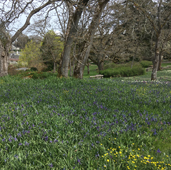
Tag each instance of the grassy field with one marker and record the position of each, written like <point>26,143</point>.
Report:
<point>117,123</point>
<point>161,74</point>
<point>93,71</point>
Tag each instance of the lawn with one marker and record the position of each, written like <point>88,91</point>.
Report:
<point>85,124</point>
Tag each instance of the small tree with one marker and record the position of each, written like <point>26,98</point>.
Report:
<point>31,55</point>
<point>51,49</point>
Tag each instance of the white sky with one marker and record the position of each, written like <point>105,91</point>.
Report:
<point>21,20</point>
<point>54,25</point>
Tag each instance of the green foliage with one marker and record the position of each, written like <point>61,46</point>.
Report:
<point>93,71</point>
<point>38,75</point>
<point>84,124</point>
<point>33,69</point>
<point>51,49</point>
<point>121,70</point>
<point>109,65</point>
<point>146,64</point>
<point>30,54</point>
<point>35,74</point>
<point>46,69</point>
<point>165,64</point>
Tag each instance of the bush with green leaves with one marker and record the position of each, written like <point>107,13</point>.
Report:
<point>123,71</point>
<point>35,75</point>
<point>146,64</point>
<point>33,69</point>
<point>109,65</point>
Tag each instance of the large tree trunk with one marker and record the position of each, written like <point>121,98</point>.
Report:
<point>160,61</point>
<point>100,65</point>
<point>73,29</point>
<point>70,68</point>
<point>155,66</point>
<point>54,67</point>
<point>82,60</point>
<point>73,67</point>
<point>4,54</point>
<point>78,71</point>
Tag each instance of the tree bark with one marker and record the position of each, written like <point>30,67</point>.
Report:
<point>70,68</point>
<point>73,67</point>
<point>82,60</point>
<point>135,54</point>
<point>54,67</point>
<point>155,66</point>
<point>160,61</point>
<point>100,65</point>
<point>4,53</point>
<point>67,47</point>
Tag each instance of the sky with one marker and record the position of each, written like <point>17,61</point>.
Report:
<point>54,24</point>
<point>21,20</point>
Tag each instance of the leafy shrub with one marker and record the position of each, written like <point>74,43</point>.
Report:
<point>33,69</point>
<point>39,75</point>
<point>46,69</point>
<point>109,65</point>
<point>123,71</point>
<point>35,75</point>
<point>146,64</point>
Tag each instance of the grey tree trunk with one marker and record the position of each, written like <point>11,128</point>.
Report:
<point>70,68</point>
<point>135,54</point>
<point>79,68</point>
<point>100,65</point>
<point>155,66</point>
<point>4,52</point>
<point>82,60</point>
<point>54,67</point>
<point>73,67</point>
<point>160,61</point>
<point>73,29</point>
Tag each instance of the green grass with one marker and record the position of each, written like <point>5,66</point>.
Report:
<point>85,124</point>
<point>166,64</point>
<point>92,70</point>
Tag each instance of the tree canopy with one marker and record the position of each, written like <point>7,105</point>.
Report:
<point>51,49</point>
